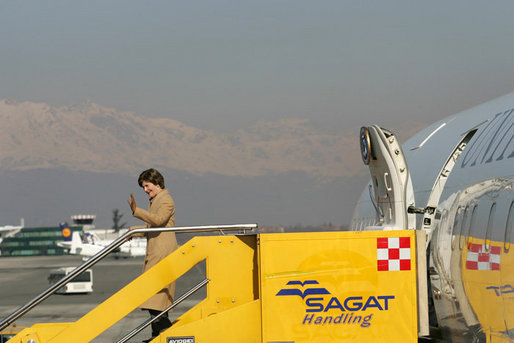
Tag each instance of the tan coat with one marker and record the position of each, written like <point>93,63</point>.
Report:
<point>161,213</point>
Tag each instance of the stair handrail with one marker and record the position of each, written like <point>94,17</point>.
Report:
<point>106,251</point>
<point>147,322</point>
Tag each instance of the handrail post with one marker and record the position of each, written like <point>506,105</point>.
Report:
<point>106,251</point>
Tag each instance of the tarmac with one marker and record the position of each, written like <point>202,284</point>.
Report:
<point>24,278</point>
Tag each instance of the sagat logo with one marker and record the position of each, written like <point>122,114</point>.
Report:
<point>306,292</point>
<point>344,308</point>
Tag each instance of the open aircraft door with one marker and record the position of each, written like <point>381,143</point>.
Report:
<point>393,199</point>
<point>392,187</point>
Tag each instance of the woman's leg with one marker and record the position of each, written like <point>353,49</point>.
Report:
<point>160,324</point>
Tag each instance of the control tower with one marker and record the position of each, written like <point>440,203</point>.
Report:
<point>84,220</point>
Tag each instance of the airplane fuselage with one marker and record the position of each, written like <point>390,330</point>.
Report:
<point>470,232</point>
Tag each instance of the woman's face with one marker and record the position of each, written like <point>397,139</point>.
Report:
<point>151,189</point>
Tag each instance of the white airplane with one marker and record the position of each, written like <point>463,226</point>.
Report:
<point>455,180</point>
<point>10,230</point>
<point>90,244</point>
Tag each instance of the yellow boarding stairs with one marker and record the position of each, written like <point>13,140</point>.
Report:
<point>284,287</point>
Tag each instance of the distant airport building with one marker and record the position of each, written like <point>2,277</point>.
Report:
<point>40,241</point>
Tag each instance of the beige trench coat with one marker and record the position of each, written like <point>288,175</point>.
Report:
<point>161,213</point>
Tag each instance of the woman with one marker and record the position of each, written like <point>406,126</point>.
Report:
<point>161,213</point>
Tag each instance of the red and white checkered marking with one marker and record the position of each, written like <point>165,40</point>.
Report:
<point>481,259</point>
<point>393,253</point>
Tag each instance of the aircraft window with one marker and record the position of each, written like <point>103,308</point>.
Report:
<point>508,228</point>
<point>455,227</point>
<point>472,223</point>
<point>463,227</point>
<point>489,227</point>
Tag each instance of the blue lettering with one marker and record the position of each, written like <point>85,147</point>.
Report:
<point>350,304</point>
<point>496,290</point>
<point>366,321</point>
<point>507,289</point>
<point>501,290</point>
<point>372,302</point>
<point>386,298</point>
<point>334,303</point>
<point>314,304</point>
<point>338,319</point>
<point>308,319</point>
<point>355,306</point>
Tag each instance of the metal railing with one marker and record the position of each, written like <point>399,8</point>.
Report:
<point>106,251</point>
<point>175,303</point>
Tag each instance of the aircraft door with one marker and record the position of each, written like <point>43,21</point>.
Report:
<point>392,187</point>
<point>438,187</point>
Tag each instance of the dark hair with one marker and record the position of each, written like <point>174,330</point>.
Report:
<point>153,176</point>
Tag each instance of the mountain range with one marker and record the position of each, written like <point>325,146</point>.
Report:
<point>91,137</point>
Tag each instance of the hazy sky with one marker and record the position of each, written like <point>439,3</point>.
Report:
<point>223,65</point>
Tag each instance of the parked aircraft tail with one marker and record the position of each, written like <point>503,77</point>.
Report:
<point>66,232</point>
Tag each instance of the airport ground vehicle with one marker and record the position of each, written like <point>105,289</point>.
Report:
<point>280,287</point>
<point>83,283</point>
